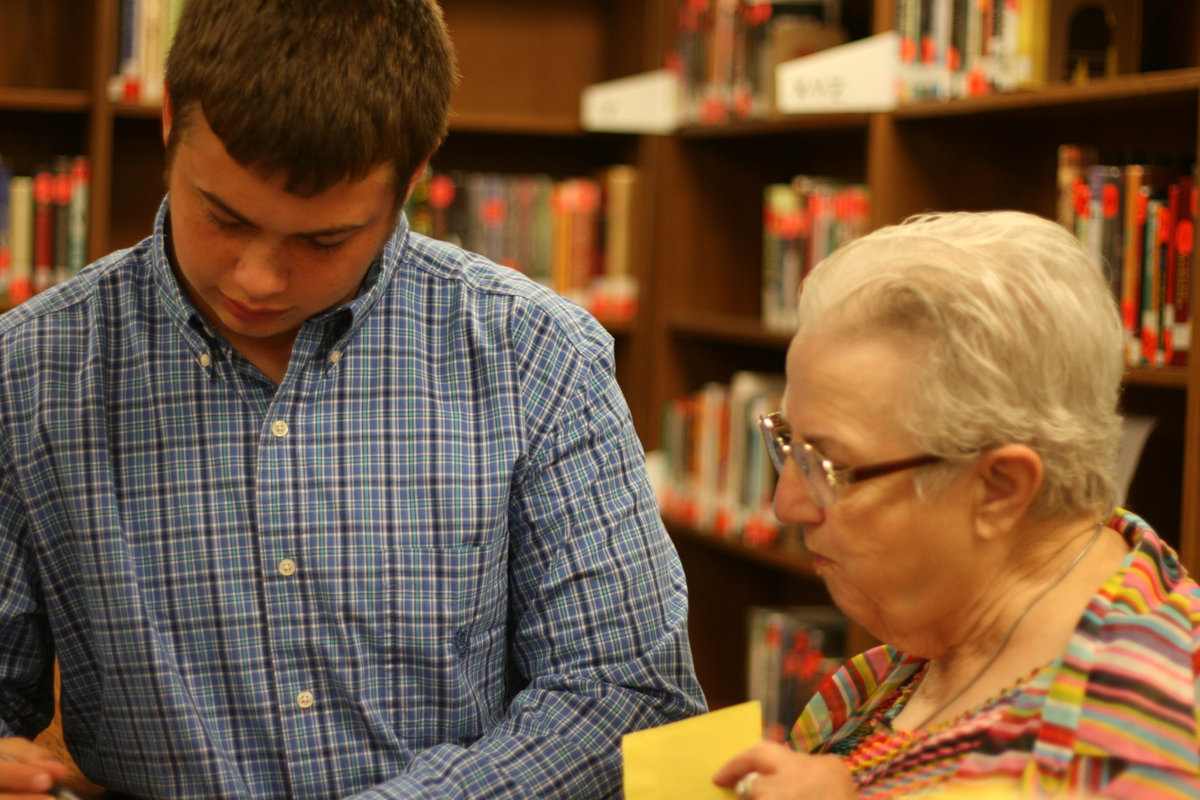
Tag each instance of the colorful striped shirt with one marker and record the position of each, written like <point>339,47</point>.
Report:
<point>426,564</point>
<point>1117,716</point>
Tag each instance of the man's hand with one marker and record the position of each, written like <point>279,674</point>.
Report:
<point>28,770</point>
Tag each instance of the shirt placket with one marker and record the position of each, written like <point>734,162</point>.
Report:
<point>281,487</point>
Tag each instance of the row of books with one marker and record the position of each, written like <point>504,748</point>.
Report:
<point>789,652</point>
<point>1138,221</point>
<point>145,28</point>
<point>43,226</point>
<point>969,48</point>
<point>571,234</point>
<point>717,476</point>
<point>727,51</point>
<point>804,220</point>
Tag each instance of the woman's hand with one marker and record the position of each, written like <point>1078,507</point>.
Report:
<point>27,770</point>
<point>783,773</point>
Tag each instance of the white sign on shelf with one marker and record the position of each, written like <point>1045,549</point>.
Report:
<point>857,76</point>
<point>643,103</point>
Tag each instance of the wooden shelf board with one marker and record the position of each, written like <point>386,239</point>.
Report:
<point>726,328</point>
<point>781,560</point>
<point>749,331</point>
<point>56,100</point>
<point>137,110</point>
<point>529,124</point>
<point>1150,86</point>
<point>617,328</point>
<point>777,125</point>
<point>1168,377</point>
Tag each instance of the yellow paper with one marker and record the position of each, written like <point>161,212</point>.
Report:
<point>677,761</point>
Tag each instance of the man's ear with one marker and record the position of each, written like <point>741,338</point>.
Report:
<point>168,114</point>
<point>1009,478</point>
<point>416,178</point>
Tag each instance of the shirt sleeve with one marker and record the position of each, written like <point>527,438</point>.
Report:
<point>598,613</point>
<point>26,672</point>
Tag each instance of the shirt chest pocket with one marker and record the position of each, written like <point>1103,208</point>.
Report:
<point>419,609</point>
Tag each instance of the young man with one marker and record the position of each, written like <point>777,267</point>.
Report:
<point>304,504</point>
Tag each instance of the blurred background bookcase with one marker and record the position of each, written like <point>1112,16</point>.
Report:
<point>698,240</point>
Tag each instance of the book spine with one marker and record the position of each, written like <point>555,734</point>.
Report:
<point>1131,266</point>
<point>78,213</point>
<point>62,227</point>
<point>5,230</point>
<point>1184,245</point>
<point>20,286</point>
<point>128,85</point>
<point>1111,207</point>
<point>1151,281</point>
<point>153,23</point>
<point>43,229</point>
<point>618,292</point>
<point>542,251</point>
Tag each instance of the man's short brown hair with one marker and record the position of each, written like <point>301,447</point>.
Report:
<point>318,90</point>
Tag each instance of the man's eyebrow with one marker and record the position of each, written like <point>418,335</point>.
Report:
<point>225,208</point>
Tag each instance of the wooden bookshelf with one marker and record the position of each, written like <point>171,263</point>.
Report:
<point>523,65</point>
<point>698,251</point>
<point>998,151</point>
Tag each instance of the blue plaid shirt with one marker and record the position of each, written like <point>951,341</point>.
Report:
<point>427,564</point>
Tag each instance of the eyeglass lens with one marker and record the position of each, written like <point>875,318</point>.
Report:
<point>810,462</point>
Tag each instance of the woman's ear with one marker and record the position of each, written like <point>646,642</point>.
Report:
<point>1010,477</point>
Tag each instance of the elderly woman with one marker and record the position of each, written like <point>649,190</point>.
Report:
<point>948,439</point>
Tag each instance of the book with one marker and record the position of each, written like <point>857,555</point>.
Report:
<point>969,48</point>
<point>716,97</point>
<point>78,212</point>
<point>750,482</point>
<point>783,226</point>
<point>144,34</point>
<point>717,475</point>
<point>616,293</point>
<point>1105,220</point>
<point>62,224</point>
<point>727,51</point>
<point>1142,181</point>
<point>20,205</point>
<point>790,651</point>
<point>43,226</point>
<point>804,221</point>
<point>572,234</point>
<point>1157,233</point>
<point>1177,327</point>
<point>5,228</point>
<point>709,474</point>
<point>43,229</point>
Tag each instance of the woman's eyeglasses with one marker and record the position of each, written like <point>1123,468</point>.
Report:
<point>820,474</point>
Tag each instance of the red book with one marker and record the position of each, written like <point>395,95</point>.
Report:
<point>1177,306</point>
<point>43,229</point>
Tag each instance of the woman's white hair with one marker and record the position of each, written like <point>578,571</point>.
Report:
<point>1014,337</point>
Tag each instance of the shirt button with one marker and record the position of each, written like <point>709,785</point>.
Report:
<point>305,699</point>
<point>279,428</point>
<point>335,356</point>
<point>287,568</point>
<point>205,360</point>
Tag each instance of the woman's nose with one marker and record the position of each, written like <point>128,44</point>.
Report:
<point>794,502</point>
